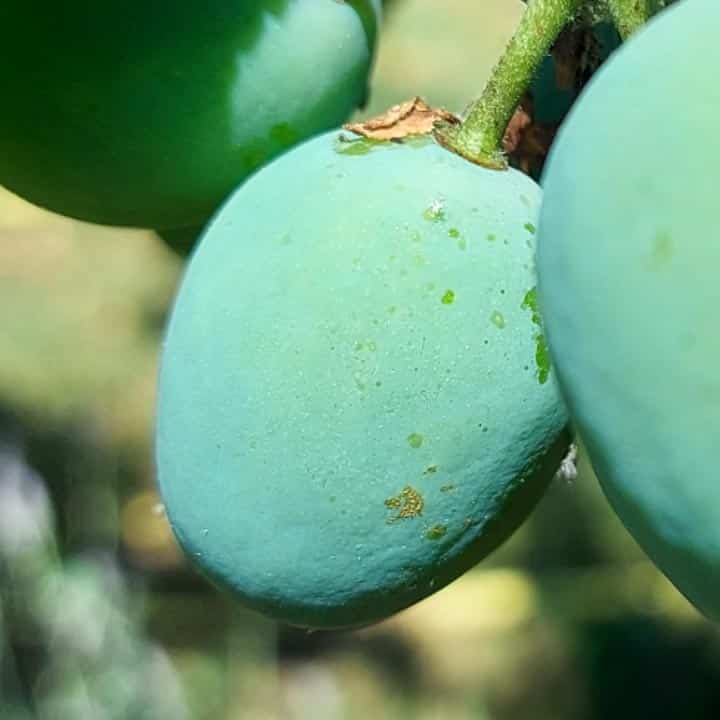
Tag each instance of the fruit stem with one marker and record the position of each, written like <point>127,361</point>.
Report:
<point>478,137</point>
<point>629,15</point>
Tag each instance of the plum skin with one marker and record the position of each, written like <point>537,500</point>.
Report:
<point>628,260</point>
<point>350,414</point>
<point>149,114</point>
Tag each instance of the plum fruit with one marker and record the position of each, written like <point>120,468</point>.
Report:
<point>149,113</point>
<point>355,402</point>
<point>628,264</point>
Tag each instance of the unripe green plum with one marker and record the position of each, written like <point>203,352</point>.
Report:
<point>181,240</point>
<point>628,265</point>
<point>150,113</point>
<point>354,404</point>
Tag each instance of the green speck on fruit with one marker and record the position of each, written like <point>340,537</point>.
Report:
<point>542,354</point>
<point>662,250</point>
<point>529,227</point>
<point>462,244</point>
<point>454,232</point>
<point>436,532</point>
<point>530,302</point>
<point>415,440</point>
<point>409,503</point>
<point>415,236</point>
<point>491,237</point>
<point>448,298</point>
<point>435,212</point>
<point>371,345</point>
<point>542,359</point>
<point>357,146</point>
<point>430,470</point>
<point>497,320</point>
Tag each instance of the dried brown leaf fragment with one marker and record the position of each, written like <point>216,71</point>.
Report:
<point>412,117</point>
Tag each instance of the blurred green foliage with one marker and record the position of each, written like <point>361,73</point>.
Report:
<point>100,616</point>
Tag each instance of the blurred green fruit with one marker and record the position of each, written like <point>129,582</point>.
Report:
<point>181,240</point>
<point>628,263</point>
<point>149,114</point>
<point>355,404</point>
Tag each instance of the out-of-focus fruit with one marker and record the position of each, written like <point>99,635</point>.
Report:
<point>628,263</point>
<point>150,113</point>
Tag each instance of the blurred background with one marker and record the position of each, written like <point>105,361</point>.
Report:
<point>101,618</point>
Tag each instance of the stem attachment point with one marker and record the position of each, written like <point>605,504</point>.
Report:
<point>479,137</point>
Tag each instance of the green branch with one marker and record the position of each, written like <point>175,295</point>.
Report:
<point>479,137</point>
<point>629,15</point>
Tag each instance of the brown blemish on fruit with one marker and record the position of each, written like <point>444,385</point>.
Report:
<point>409,503</point>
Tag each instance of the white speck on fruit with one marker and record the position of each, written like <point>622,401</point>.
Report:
<point>568,467</point>
<point>435,211</point>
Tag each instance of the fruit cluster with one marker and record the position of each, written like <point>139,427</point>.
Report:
<point>380,341</point>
